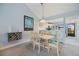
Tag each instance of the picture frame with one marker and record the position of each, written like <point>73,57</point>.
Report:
<point>70,30</point>
<point>28,23</point>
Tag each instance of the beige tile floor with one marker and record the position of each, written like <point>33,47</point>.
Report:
<point>26,50</point>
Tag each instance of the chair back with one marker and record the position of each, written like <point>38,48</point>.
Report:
<point>35,36</point>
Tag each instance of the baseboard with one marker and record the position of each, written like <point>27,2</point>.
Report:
<point>15,44</point>
<point>76,45</point>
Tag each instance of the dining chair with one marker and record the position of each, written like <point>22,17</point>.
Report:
<point>45,41</point>
<point>35,40</point>
<point>55,43</point>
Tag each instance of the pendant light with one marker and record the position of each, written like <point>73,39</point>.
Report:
<point>42,22</point>
<point>42,18</point>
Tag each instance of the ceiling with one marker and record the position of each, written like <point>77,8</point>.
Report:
<point>52,9</point>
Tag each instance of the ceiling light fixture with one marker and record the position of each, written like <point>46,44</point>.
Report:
<point>42,22</point>
<point>42,19</point>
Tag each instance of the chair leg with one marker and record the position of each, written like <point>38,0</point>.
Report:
<point>38,49</point>
<point>57,52</point>
<point>48,51</point>
<point>33,46</point>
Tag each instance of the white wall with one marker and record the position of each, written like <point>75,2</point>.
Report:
<point>12,16</point>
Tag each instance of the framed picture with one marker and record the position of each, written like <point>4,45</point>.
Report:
<point>28,23</point>
<point>71,30</point>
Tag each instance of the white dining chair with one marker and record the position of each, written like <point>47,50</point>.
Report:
<point>55,43</point>
<point>45,41</point>
<point>35,40</point>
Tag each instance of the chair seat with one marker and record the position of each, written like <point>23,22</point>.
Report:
<point>53,41</point>
<point>54,44</point>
